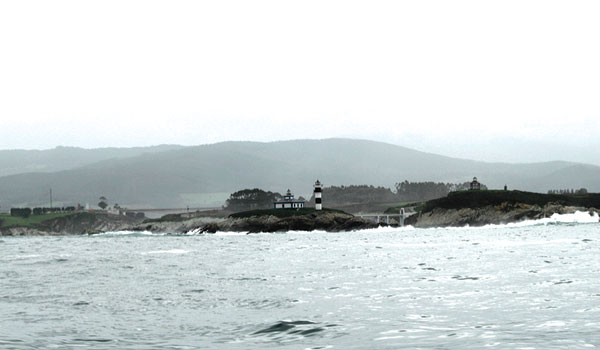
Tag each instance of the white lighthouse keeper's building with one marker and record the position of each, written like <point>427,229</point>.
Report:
<point>288,202</point>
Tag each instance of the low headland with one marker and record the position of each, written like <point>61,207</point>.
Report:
<point>76,223</point>
<point>479,208</point>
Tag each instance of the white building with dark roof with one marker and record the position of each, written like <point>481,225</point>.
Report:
<point>288,202</point>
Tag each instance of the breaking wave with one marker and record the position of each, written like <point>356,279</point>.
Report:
<point>129,233</point>
<point>578,217</point>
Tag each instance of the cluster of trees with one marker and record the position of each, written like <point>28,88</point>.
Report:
<point>420,191</point>
<point>424,191</point>
<point>103,204</point>
<point>569,191</point>
<point>40,211</point>
<point>357,194</point>
<point>26,212</point>
<point>249,199</point>
<point>22,212</point>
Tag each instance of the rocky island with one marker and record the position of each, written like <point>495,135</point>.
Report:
<point>266,220</point>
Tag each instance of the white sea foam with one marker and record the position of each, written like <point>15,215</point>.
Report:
<point>194,232</point>
<point>552,324</point>
<point>19,257</point>
<point>579,217</point>
<point>129,233</point>
<point>227,233</point>
<point>299,232</point>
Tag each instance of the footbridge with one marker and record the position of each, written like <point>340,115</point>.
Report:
<point>389,219</point>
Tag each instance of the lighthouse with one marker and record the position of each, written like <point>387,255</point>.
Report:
<point>317,192</point>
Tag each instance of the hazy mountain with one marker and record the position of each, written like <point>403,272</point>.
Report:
<point>63,158</point>
<point>205,175</point>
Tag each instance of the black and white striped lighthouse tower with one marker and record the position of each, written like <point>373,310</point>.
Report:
<point>317,192</point>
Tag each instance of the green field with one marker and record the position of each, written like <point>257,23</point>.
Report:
<point>14,221</point>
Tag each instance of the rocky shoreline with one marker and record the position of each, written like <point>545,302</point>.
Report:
<point>87,223</point>
<point>76,224</point>
<point>327,220</point>
<point>504,213</point>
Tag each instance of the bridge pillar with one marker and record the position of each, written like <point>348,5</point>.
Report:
<point>401,218</point>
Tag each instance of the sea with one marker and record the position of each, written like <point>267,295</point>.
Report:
<point>532,285</point>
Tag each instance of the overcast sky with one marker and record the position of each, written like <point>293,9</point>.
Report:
<point>497,81</point>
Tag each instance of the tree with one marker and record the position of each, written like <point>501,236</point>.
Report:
<point>420,191</point>
<point>581,191</point>
<point>102,204</point>
<point>356,194</point>
<point>22,212</point>
<point>251,199</point>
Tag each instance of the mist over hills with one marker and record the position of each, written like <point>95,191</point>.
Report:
<point>63,158</point>
<point>205,175</point>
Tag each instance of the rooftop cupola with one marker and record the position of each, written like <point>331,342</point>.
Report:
<point>288,195</point>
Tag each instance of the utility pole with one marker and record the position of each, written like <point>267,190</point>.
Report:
<point>50,198</point>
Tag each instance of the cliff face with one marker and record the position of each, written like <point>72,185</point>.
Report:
<point>490,214</point>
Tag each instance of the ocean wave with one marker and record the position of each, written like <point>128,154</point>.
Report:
<point>578,217</point>
<point>129,233</point>
<point>170,251</point>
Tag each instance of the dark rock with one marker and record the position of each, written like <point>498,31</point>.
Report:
<point>327,221</point>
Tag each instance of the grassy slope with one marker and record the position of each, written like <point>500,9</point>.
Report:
<point>14,221</point>
<point>395,208</point>
<point>477,199</point>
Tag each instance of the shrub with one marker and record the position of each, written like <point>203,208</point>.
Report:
<point>21,212</point>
